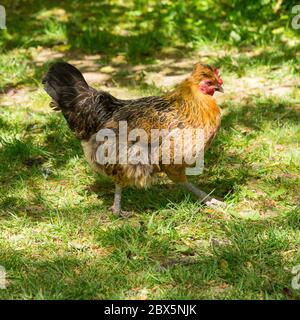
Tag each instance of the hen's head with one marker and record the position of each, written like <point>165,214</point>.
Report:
<point>207,79</point>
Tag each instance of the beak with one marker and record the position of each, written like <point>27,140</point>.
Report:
<point>219,88</point>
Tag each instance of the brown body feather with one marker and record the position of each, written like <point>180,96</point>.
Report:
<point>87,111</point>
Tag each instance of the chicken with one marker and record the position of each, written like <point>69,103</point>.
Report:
<point>88,112</point>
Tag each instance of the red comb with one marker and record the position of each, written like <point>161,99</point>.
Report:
<point>218,76</point>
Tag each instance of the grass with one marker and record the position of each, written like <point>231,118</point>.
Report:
<point>58,239</point>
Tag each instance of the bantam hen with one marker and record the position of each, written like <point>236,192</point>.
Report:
<point>88,111</point>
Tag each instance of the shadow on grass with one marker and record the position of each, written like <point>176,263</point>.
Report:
<point>63,277</point>
<point>275,57</point>
<point>249,265</point>
<point>60,146</point>
<point>141,31</point>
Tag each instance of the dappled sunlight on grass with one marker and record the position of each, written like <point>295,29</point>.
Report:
<point>143,32</point>
<point>59,239</point>
<point>56,223</point>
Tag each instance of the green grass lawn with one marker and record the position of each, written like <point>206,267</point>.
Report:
<point>58,239</point>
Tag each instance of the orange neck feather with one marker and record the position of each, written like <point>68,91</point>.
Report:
<point>193,104</point>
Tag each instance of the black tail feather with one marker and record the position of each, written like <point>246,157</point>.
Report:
<point>63,82</point>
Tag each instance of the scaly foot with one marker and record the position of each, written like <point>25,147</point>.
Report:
<point>120,213</point>
<point>214,203</point>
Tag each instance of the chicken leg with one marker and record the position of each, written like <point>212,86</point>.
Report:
<point>116,208</point>
<point>202,196</point>
<point>177,175</point>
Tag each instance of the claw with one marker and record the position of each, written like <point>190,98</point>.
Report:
<point>120,213</point>
<point>215,204</point>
